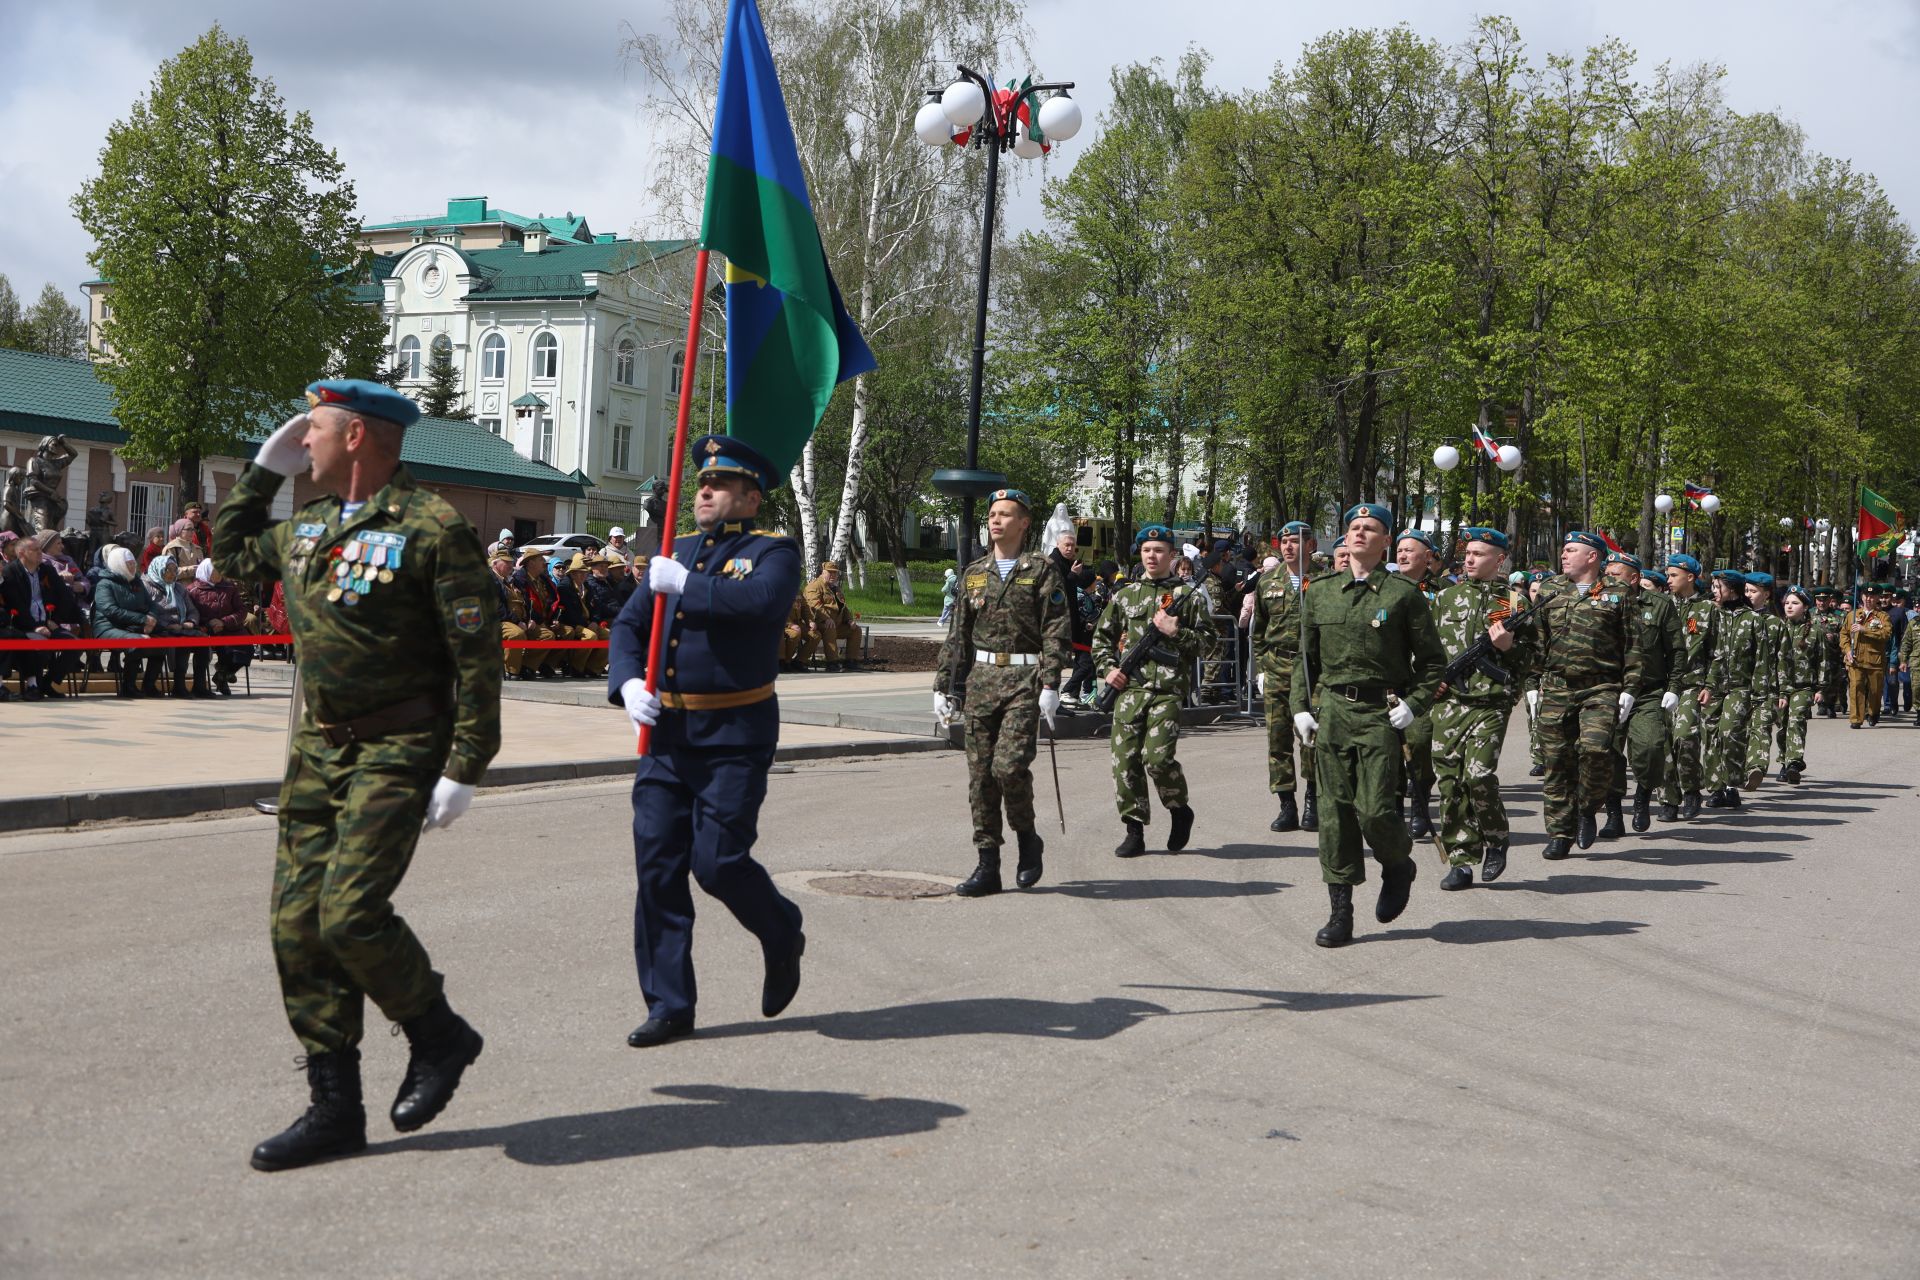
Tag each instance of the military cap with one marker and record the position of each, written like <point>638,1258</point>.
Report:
<point>1414,535</point>
<point>1796,589</point>
<point>1626,558</point>
<point>1340,542</point>
<point>1826,593</point>
<point>1760,580</point>
<point>1492,537</point>
<point>1729,575</point>
<point>731,456</point>
<point>1371,511</point>
<point>1300,527</point>
<point>1654,580</point>
<point>357,395</point>
<point>825,565</point>
<point>1011,495</point>
<point>501,553</point>
<point>1580,537</point>
<point>1686,562</point>
<point>1154,533</point>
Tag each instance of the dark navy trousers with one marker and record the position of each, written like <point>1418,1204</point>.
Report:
<point>698,810</point>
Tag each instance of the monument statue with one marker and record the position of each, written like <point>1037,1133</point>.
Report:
<point>47,480</point>
<point>100,519</point>
<point>13,502</point>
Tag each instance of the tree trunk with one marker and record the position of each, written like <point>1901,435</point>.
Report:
<point>804,502</point>
<point>189,480</point>
<point>856,456</point>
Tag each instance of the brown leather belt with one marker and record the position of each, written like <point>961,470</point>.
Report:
<point>394,719</point>
<point>715,701</point>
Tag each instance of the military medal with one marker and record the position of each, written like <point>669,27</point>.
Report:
<point>350,598</point>
<point>333,594</point>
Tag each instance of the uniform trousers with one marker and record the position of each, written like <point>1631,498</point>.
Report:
<point>1358,773</point>
<point>1686,734</point>
<point>1865,687</point>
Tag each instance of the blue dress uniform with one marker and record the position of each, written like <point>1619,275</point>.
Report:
<point>697,794</point>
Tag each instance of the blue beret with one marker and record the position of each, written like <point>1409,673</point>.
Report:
<point>730,455</point>
<point>1729,575</point>
<point>1580,537</point>
<point>1296,526</point>
<point>1797,590</point>
<point>1760,580</point>
<point>1154,533</point>
<point>1626,558</point>
<point>1339,542</point>
<point>356,395</point>
<point>1414,535</point>
<point>1648,575</point>
<point>1370,510</point>
<point>1492,537</point>
<point>1011,495</point>
<point>1686,562</point>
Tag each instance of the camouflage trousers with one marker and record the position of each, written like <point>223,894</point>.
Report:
<point>1576,742</point>
<point>1642,744</point>
<point>1538,760</point>
<point>1791,725</point>
<point>1688,730</point>
<point>349,819</point>
<point>1358,772</point>
<point>1001,736</point>
<point>1281,738</point>
<point>1728,750</point>
<point>1467,737</point>
<point>1418,746</point>
<point>1767,717</point>
<point>1146,729</point>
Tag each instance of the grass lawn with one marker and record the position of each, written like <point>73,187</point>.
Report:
<point>881,596</point>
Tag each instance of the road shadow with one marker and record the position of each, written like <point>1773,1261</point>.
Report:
<point>1602,884</point>
<point>1292,1001</point>
<point>1248,852</point>
<point>1095,1019</point>
<point>1694,857</point>
<point>722,1117</point>
<point>1149,890</point>
<point>1772,818</point>
<point>1716,831</point>
<point>1471,932</point>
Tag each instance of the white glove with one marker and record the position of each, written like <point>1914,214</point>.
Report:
<point>942,707</point>
<point>450,800</point>
<point>643,708</point>
<point>666,575</point>
<point>1626,706</point>
<point>1049,706</point>
<point>1668,701</point>
<point>1260,681</point>
<point>285,451</point>
<point>1533,702</point>
<point>1305,725</point>
<point>1400,715</point>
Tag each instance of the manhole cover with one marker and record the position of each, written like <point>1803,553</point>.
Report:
<point>865,884</point>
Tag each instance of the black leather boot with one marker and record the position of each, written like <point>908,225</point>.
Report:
<point>1690,806</point>
<point>1289,819</point>
<point>1419,825</point>
<point>1396,884</point>
<point>1338,931</point>
<point>1669,812</point>
<point>1180,830</point>
<point>1717,798</point>
<point>1310,812</point>
<point>334,1125</point>
<point>1642,809</point>
<point>1027,874</point>
<point>1538,771</point>
<point>1585,832</point>
<point>1460,877</point>
<point>1493,863</point>
<point>1557,848</point>
<point>1793,771</point>
<point>1135,844</point>
<point>442,1047</point>
<point>1616,825</point>
<point>1733,798</point>
<point>781,982</point>
<point>985,878</point>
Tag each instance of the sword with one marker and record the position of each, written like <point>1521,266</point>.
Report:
<point>1058,803</point>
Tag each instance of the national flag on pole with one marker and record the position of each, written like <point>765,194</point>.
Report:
<point>1608,539</point>
<point>1880,525</point>
<point>1485,444</point>
<point>790,341</point>
<point>1696,492</point>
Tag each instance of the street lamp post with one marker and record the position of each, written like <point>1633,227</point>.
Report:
<point>970,112</point>
<point>1507,457</point>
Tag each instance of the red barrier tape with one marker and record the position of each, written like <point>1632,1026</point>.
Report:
<point>201,642</point>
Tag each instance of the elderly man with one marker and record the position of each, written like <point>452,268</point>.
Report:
<point>834,624</point>
<point>36,605</point>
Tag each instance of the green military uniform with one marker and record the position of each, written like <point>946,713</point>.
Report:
<point>1418,739</point>
<point>1642,741</point>
<point>1146,714</point>
<point>1588,657</point>
<point>381,725</point>
<point>1009,638</point>
<point>1831,623</point>
<point>1734,678</point>
<point>1767,691</point>
<point>1470,721</point>
<point>1276,648</point>
<point>1690,727</point>
<point>1802,673</point>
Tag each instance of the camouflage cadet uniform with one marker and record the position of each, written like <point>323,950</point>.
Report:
<point>1690,729</point>
<point>1768,689</point>
<point>1802,673</point>
<point>1831,623</point>
<point>1008,640</point>
<point>1276,647</point>
<point>1642,741</point>
<point>1588,656</point>
<point>1146,714</point>
<point>1908,656</point>
<point>1470,722</point>
<point>1734,678</point>
<point>376,734</point>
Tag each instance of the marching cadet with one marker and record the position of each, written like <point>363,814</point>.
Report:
<point>1589,665</point>
<point>716,722</point>
<point>834,624</point>
<point>376,563</point>
<point>1000,667</point>
<point>1642,740</point>
<point>1735,678</point>
<point>1802,679</point>
<point>1470,720</point>
<point>1863,646</point>
<point>1373,661</point>
<point>1909,656</point>
<point>1831,622</point>
<point>1691,727</point>
<point>1146,705</point>
<point>1537,766</point>
<point>1419,562</point>
<point>1768,688</point>
<point>1276,647</point>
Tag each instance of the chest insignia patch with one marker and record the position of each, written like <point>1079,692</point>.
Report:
<point>306,530</point>
<point>467,615</point>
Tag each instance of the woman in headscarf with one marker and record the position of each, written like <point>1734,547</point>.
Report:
<point>223,612</point>
<point>122,610</point>
<point>156,540</point>
<point>175,615</point>
<point>185,555</point>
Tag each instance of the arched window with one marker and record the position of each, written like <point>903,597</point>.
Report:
<point>493,358</point>
<point>442,346</point>
<point>546,357</point>
<point>623,362</point>
<point>410,357</point>
<point>679,368</point>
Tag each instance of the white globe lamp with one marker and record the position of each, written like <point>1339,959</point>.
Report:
<point>1025,147</point>
<point>1663,503</point>
<point>1509,459</point>
<point>963,102</point>
<point>1059,117</point>
<point>931,125</point>
<point>1446,457</point>
<point>1710,503</point>
<point>1786,522</point>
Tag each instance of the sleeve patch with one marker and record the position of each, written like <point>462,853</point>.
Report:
<point>467,614</point>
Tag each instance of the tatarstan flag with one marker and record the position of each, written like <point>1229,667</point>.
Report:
<point>790,341</point>
<point>1880,524</point>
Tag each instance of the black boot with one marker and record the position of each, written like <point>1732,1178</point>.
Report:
<point>1493,863</point>
<point>1419,825</point>
<point>1616,825</point>
<point>1717,798</point>
<point>985,878</point>
<point>442,1047</point>
<point>1032,846</point>
<point>1642,808</point>
<point>1181,829</point>
<point>1793,771</point>
<point>1669,812</point>
<point>1338,931</point>
<point>1310,813</point>
<point>1135,844</point>
<point>1396,883</point>
<point>1557,848</point>
<point>334,1125</point>
<point>1458,878</point>
<point>1289,819</point>
<point>1733,798</point>
<point>781,982</point>
<point>1584,833</point>
<point>1538,771</point>
<point>1690,806</point>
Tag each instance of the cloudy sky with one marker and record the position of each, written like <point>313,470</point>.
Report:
<point>530,105</point>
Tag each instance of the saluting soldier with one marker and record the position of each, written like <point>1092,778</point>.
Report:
<point>1276,647</point>
<point>1769,687</point>
<point>1374,658</point>
<point>697,792</point>
<point>1690,729</point>
<point>386,746</point>
<point>1589,664</point>
<point>1831,621</point>
<point>1419,563</point>
<point>1863,646</point>
<point>1642,740</point>
<point>1803,678</point>
<point>1010,636</point>
<point>1146,706</point>
<point>1470,719</point>
<point>1736,678</point>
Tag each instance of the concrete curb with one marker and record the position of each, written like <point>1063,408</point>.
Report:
<point>25,813</point>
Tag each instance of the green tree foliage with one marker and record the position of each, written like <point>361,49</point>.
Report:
<point>441,399</point>
<point>52,326</point>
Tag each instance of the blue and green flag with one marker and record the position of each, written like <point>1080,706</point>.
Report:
<point>790,341</point>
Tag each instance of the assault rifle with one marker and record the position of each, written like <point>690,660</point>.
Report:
<point>1150,647</point>
<point>1481,656</point>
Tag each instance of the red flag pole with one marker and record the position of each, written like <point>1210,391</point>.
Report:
<point>670,531</point>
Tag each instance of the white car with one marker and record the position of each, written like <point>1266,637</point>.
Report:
<point>553,543</point>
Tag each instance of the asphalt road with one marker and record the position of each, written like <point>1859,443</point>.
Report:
<point>1691,1054</point>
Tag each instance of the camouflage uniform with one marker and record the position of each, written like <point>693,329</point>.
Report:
<point>1802,673</point>
<point>1691,727</point>
<point>353,801</point>
<point>1470,722</point>
<point>1276,648</point>
<point>1146,714</point>
<point>1734,676</point>
<point>1418,739</point>
<point>1024,614</point>
<point>1588,656</point>
<point>1767,691</point>
<point>1831,623</point>
<point>1642,740</point>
